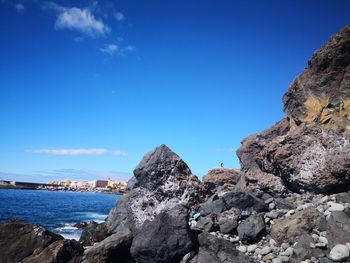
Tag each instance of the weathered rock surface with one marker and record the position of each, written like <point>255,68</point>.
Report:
<point>163,180</point>
<point>19,240</point>
<point>112,249</point>
<point>61,251</point>
<point>338,228</point>
<point>217,250</point>
<point>241,200</point>
<point>222,177</point>
<point>252,229</point>
<point>287,229</point>
<point>92,233</point>
<point>167,238</point>
<point>310,148</point>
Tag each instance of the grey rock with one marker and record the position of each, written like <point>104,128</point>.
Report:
<point>252,229</point>
<point>339,253</point>
<point>207,223</point>
<point>338,228</point>
<point>228,220</point>
<point>167,238</point>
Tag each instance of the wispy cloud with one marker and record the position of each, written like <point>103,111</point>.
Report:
<point>19,7</point>
<point>78,19</point>
<point>97,151</point>
<point>119,16</point>
<point>110,49</point>
<point>128,49</point>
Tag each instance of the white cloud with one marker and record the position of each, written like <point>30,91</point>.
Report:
<point>79,19</point>
<point>110,49</point>
<point>128,49</point>
<point>19,7</point>
<point>119,16</point>
<point>97,151</point>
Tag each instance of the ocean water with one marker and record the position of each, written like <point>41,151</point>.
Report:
<point>57,211</point>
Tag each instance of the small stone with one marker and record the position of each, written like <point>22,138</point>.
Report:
<point>269,200</point>
<point>234,239</point>
<point>290,212</point>
<point>324,240</point>
<point>285,245</point>
<point>268,257</point>
<point>288,252</point>
<point>251,248</point>
<point>312,245</point>
<point>273,242</point>
<point>339,253</point>
<point>276,260</point>
<point>315,237</point>
<point>284,258</point>
<point>321,245</point>
<point>265,250</point>
<point>348,245</point>
<point>243,249</point>
<point>272,206</point>
<point>335,207</point>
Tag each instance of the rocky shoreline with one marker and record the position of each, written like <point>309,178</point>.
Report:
<point>290,202</point>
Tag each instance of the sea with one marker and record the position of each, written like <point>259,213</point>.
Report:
<point>57,211</point>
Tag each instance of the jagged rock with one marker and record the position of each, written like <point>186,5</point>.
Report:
<point>338,228</point>
<point>310,148</point>
<point>302,222</point>
<point>61,251</point>
<point>221,177</point>
<point>163,180</point>
<point>217,250</point>
<point>112,249</point>
<point>252,229</point>
<point>167,238</point>
<point>234,199</point>
<point>207,224</point>
<point>92,233</point>
<point>228,220</point>
<point>19,240</point>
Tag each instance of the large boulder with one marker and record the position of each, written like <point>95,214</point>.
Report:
<point>217,250</point>
<point>19,240</point>
<point>167,238</point>
<point>221,177</point>
<point>252,229</point>
<point>161,181</point>
<point>289,228</point>
<point>338,228</point>
<point>61,251</point>
<point>310,148</point>
<point>112,249</point>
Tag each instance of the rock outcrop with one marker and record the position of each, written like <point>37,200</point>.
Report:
<point>223,178</point>
<point>161,182</point>
<point>19,240</point>
<point>309,149</point>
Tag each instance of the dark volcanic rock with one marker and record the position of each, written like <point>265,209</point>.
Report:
<point>92,233</point>
<point>302,250</point>
<point>338,228</point>
<point>61,251</point>
<point>310,148</point>
<point>234,199</point>
<point>217,250</point>
<point>165,239</point>
<point>115,248</point>
<point>207,223</point>
<point>163,180</point>
<point>19,240</point>
<point>252,229</point>
<point>228,220</point>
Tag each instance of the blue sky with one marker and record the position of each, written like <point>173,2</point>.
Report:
<point>88,87</point>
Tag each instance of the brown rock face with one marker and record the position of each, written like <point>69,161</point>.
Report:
<point>223,177</point>
<point>310,148</point>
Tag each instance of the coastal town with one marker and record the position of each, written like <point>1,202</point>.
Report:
<point>102,186</point>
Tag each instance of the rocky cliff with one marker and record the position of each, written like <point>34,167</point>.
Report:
<point>309,149</point>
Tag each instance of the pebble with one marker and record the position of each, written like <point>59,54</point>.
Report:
<point>324,240</point>
<point>284,258</point>
<point>285,245</point>
<point>234,239</point>
<point>243,249</point>
<point>265,250</point>
<point>290,212</point>
<point>339,253</point>
<point>335,207</point>
<point>321,245</point>
<point>288,252</point>
<point>272,206</point>
<point>273,242</point>
<point>269,200</point>
<point>276,260</point>
<point>251,248</point>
